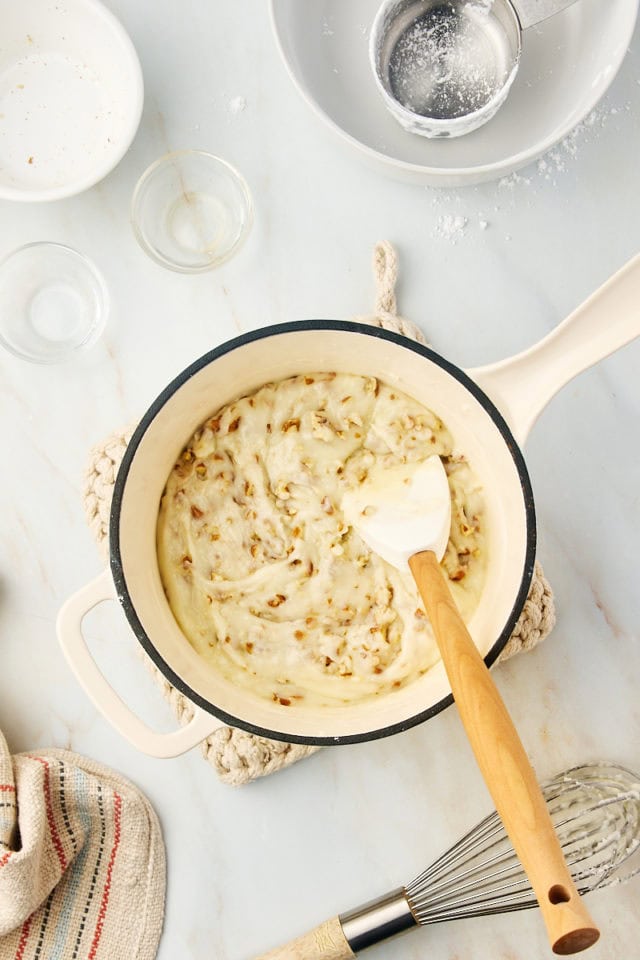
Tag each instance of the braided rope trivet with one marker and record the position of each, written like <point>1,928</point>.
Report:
<point>236,756</point>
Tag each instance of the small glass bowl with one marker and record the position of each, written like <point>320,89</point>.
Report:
<point>191,211</point>
<point>53,302</point>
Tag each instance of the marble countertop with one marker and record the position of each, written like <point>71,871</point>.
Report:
<point>254,866</point>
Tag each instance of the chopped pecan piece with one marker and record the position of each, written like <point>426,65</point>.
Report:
<point>292,424</point>
<point>277,600</point>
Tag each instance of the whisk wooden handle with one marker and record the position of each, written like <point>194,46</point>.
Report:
<point>504,765</point>
<point>326,942</point>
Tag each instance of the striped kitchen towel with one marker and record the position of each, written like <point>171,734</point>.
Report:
<point>82,864</point>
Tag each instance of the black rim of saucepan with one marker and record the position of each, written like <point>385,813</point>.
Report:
<point>272,331</point>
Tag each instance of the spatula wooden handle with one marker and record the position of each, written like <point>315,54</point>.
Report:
<point>504,765</point>
<point>326,942</point>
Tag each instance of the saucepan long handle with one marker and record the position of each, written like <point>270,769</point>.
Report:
<point>522,386</point>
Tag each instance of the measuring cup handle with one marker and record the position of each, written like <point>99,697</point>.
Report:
<point>102,694</point>
<point>531,12</point>
<point>521,386</point>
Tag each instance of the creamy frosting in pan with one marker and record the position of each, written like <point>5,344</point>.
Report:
<point>265,577</point>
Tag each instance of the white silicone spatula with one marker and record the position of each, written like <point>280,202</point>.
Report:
<point>404,514</point>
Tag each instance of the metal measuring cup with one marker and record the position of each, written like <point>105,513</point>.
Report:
<point>444,67</point>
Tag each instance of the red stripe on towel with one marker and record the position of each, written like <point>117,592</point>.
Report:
<point>50,820</point>
<point>117,807</point>
<point>5,857</point>
<point>24,936</point>
<point>8,786</point>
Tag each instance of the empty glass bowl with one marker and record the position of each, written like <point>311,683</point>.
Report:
<point>191,211</point>
<point>53,302</point>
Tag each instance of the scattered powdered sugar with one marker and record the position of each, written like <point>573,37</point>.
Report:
<point>236,105</point>
<point>455,222</point>
<point>557,160</point>
<point>450,227</point>
<point>453,225</point>
<point>513,180</point>
<point>553,162</point>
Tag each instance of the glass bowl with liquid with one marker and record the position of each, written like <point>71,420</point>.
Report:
<point>53,302</point>
<point>191,211</point>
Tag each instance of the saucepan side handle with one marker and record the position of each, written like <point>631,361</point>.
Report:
<point>521,386</point>
<point>102,694</point>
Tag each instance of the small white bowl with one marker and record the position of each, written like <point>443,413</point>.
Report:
<point>71,96</point>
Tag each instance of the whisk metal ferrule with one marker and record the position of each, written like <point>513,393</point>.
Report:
<point>377,920</point>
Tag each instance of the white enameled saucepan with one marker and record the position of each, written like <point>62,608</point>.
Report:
<point>489,412</point>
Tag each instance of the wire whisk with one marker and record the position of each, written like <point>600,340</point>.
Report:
<point>596,813</point>
<point>595,809</point>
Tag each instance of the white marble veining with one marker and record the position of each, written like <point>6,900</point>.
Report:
<point>249,868</point>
